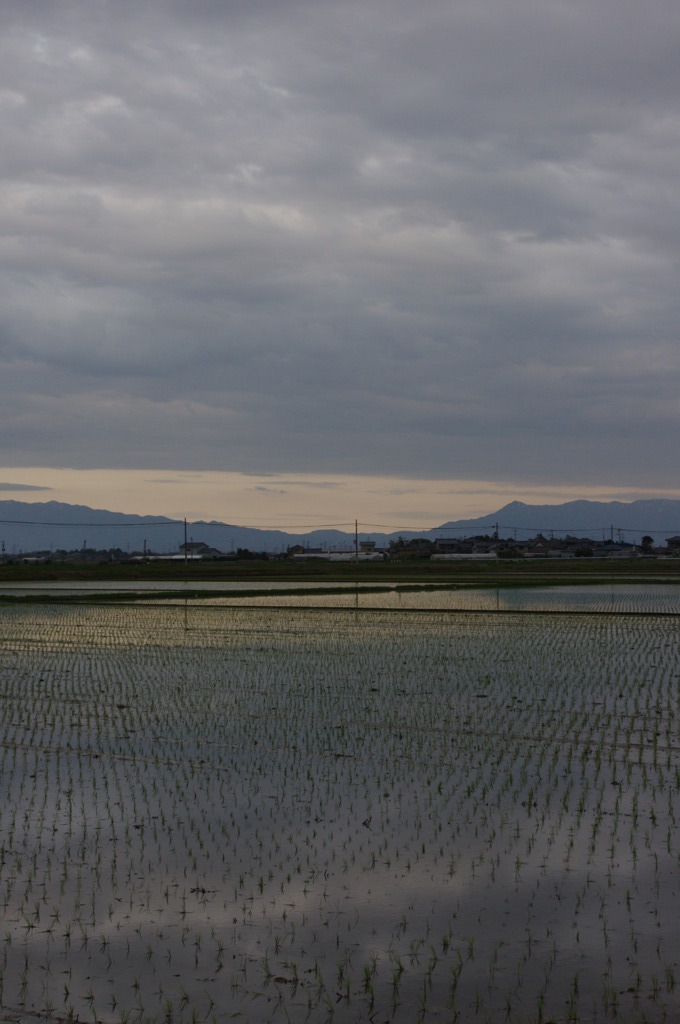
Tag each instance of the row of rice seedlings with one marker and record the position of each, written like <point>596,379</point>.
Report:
<point>314,814</point>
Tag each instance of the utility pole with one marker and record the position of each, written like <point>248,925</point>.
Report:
<point>185,540</point>
<point>356,540</point>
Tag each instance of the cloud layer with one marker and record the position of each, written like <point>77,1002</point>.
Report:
<point>286,235</point>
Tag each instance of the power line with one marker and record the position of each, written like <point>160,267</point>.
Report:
<point>397,529</point>
<point>289,526</point>
<point>579,529</point>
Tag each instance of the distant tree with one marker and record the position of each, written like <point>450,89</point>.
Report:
<point>647,542</point>
<point>506,552</point>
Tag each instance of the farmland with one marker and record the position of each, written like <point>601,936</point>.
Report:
<point>494,572</point>
<point>344,808</point>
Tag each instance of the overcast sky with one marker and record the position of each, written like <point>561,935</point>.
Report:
<point>327,237</point>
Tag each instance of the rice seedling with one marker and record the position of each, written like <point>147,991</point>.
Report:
<point>306,813</point>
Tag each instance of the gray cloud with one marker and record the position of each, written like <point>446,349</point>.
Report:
<point>291,236</point>
<point>6,486</point>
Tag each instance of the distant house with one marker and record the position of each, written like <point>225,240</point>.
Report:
<point>300,551</point>
<point>452,546</point>
<point>614,549</point>
<point>367,553</point>
<point>470,547</point>
<point>198,549</point>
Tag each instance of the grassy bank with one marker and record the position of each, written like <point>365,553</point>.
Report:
<point>465,573</point>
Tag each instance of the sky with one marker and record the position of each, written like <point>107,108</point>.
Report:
<point>285,260</point>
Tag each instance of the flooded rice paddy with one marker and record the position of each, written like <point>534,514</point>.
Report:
<point>217,812</point>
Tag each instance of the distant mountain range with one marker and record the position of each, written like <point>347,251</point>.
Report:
<point>53,525</point>
<point>658,517</point>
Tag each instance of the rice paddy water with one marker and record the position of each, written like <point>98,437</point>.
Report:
<point>275,810</point>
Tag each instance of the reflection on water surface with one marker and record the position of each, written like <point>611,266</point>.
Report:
<point>314,814</point>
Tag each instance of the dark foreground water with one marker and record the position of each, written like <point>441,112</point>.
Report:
<point>309,814</point>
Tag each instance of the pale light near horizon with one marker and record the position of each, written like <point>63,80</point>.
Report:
<point>296,502</point>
